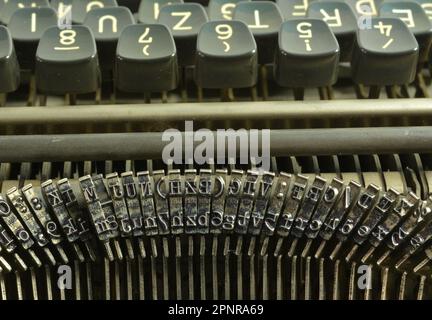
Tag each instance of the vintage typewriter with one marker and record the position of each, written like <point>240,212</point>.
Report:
<point>333,95</point>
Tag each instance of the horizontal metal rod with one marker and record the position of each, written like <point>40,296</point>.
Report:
<point>149,145</point>
<point>268,110</point>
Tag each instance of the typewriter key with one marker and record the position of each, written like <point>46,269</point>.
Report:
<point>412,14</point>
<point>10,7</point>
<point>184,20</point>
<point>308,54</point>
<point>365,9</point>
<point>385,54</point>
<point>226,56</point>
<point>146,52</point>
<point>292,9</point>
<point>9,68</point>
<point>27,27</point>
<point>263,19</point>
<point>148,12</point>
<point>66,61</point>
<point>341,20</point>
<point>426,6</point>
<point>80,8</point>
<point>222,9</point>
<point>107,24</point>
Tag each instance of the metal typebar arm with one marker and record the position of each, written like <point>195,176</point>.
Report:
<point>149,145</point>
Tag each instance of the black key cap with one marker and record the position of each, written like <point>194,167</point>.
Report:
<point>107,25</point>
<point>148,11</point>
<point>9,68</point>
<point>27,27</point>
<point>222,9</point>
<point>342,21</point>
<point>264,20</point>
<point>426,6</point>
<point>385,54</point>
<point>66,61</point>
<point>11,6</point>
<point>80,8</point>
<point>293,8</point>
<point>417,21</point>
<point>226,56</point>
<point>184,21</point>
<point>308,54</point>
<point>146,59</point>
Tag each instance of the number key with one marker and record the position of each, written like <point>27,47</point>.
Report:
<point>226,56</point>
<point>308,54</point>
<point>385,54</point>
<point>146,51</point>
<point>66,61</point>
<point>416,20</point>
<point>222,9</point>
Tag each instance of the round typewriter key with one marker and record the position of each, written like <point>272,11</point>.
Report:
<point>27,27</point>
<point>10,7</point>
<point>80,8</point>
<point>385,54</point>
<point>148,11</point>
<point>263,19</point>
<point>9,68</point>
<point>184,20</point>
<point>412,14</point>
<point>66,61</point>
<point>308,54</point>
<point>146,51</point>
<point>106,25</point>
<point>226,56</point>
<point>341,20</point>
<point>222,9</point>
